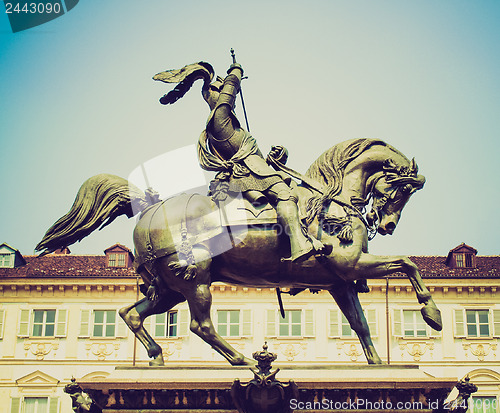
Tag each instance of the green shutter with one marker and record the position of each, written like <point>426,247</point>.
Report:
<point>459,323</point>
<point>371,318</point>
<point>53,405</point>
<point>247,323</point>
<point>121,327</point>
<point>397,330</point>
<point>61,323</point>
<point>309,323</point>
<point>15,404</point>
<point>183,322</point>
<point>333,330</point>
<point>24,323</point>
<point>2,317</point>
<point>496,323</point>
<point>270,323</point>
<point>85,324</point>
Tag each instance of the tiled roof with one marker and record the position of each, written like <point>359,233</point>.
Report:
<point>435,267</point>
<point>66,266</point>
<point>96,266</point>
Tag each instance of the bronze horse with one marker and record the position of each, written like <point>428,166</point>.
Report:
<point>179,242</point>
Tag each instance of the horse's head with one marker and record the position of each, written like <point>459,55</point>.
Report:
<point>390,190</point>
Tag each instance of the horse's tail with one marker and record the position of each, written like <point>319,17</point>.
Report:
<point>99,201</point>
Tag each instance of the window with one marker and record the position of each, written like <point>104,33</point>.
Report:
<point>228,323</point>
<point>463,260</point>
<point>234,323</point>
<point>291,325</point>
<point>477,323</point>
<point>414,324</point>
<point>166,325</point>
<point>42,323</point>
<point>116,260</point>
<point>101,323</point>
<point>346,330</point>
<point>410,324</point>
<point>6,260</point>
<point>297,323</point>
<point>483,405</point>
<point>34,405</point>
<point>339,325</point>
<point>104,323</point>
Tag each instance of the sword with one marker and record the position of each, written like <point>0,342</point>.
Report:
<point>241,94</point>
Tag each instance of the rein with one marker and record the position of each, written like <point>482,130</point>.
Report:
<point>315,185</point>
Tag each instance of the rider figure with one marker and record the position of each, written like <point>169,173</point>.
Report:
<point>225,146</point>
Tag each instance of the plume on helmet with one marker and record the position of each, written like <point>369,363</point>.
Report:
<point>184,78</point>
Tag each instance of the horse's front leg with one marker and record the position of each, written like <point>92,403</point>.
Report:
<point>347,299</point>
<point>373,266</point>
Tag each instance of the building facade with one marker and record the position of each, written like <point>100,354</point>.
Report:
<point>59,319</point>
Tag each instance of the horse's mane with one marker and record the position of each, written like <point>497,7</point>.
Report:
<point>329,169</point>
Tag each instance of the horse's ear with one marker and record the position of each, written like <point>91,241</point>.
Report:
<point>414,167</point>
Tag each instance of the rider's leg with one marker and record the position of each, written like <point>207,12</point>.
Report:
<point>285,202</point>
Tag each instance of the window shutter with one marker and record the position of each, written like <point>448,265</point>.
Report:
<point>371,318</point>
<point>333,330</point>
<point>61,323</point>
<point>270,323</point>
<point>24,323</point>
<point>2,322</point>
<point>53,405</point>
<point>247,323</point>
<point>183,322</point>
<point>496,323</point>
<point>397,330</point>
<point>85,324</point>
<point>309,323</point>
<point>15,404</point>
<point>459,323</point>
<point>149,324</point>
<point>121,327</point>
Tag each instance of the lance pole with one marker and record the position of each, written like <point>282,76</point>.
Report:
<point>241,93</point>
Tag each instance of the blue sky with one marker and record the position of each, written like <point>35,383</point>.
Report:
<point>77,99</point>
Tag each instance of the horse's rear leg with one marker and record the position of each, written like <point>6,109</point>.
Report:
<point>201,325</point>
<point>135,314</point>
<point>347,299</point>
<point>197,292</point>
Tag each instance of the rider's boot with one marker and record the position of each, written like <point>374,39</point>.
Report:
<point>302,246</point>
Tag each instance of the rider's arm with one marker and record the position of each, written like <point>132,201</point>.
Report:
<point>223,125</point>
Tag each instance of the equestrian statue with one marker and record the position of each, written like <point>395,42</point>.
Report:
<point>299,231</point>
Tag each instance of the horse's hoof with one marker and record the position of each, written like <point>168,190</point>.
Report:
<point>432,316</point>
<point>157,362</point>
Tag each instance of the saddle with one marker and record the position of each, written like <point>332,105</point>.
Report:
<point>174,226</point>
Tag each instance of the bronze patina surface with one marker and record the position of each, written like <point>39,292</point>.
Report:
<point>183,244</point>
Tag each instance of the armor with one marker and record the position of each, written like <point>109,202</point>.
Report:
<point>227,148</point>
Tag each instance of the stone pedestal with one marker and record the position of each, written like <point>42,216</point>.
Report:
<point>322,388</point>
